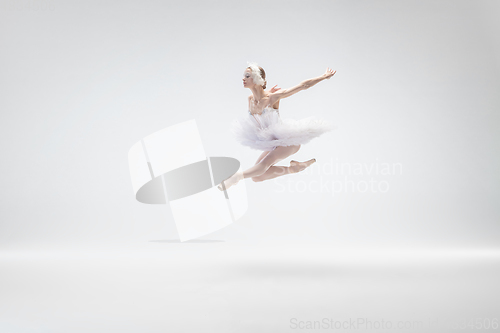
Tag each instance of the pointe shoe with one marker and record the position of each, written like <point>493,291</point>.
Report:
<point>233,180</point>
<point>299,166</point>
<point>312,160</point>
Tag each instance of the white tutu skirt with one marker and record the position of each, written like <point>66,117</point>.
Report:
<point>268,130</point>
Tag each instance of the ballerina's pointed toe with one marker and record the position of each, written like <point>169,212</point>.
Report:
<point>233,180</point>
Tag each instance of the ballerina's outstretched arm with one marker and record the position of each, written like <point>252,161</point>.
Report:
<point>306,84</point>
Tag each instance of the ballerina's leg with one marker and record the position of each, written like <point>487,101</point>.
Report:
<point>273,172</point>
<point>276,171</point>
<point>277,154</point>
<point>262,156</point>
<point>262,168</point>
<point>273,157</point>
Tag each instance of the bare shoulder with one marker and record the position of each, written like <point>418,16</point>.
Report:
<point>274,101</point>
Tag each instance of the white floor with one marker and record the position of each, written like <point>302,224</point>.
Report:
<point>216,286</point>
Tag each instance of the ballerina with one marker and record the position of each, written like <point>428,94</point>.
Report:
<point>264,129</point>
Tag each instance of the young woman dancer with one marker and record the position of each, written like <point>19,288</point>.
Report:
<point>264,129</point>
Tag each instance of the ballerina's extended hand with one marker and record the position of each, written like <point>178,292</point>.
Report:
<point>329,73</point>
<point>273,89</point>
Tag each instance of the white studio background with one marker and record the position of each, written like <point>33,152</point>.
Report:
<point>416,87</point>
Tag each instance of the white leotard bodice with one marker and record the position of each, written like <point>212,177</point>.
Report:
<point>264,111</point>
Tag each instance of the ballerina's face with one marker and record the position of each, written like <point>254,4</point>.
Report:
<point>247,78</point>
